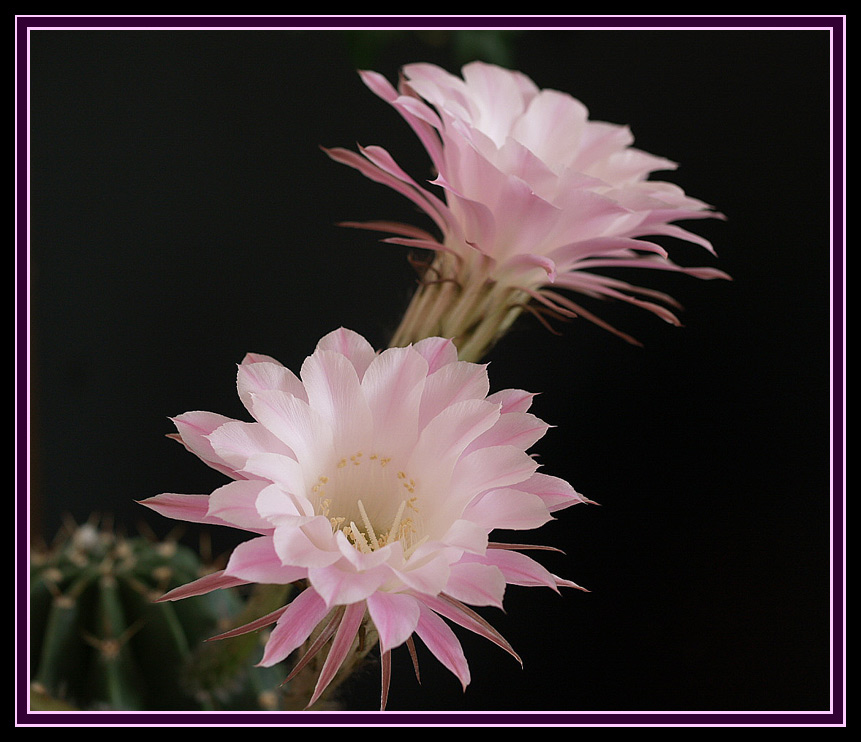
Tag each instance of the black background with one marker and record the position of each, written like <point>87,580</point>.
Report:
<point>183,214</point>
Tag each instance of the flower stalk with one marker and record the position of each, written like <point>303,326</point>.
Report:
<point>471,308</point>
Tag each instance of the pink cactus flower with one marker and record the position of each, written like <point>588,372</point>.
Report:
<point>374,480</point>
<point>532,198</point>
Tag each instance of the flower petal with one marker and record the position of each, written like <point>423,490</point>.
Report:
<point>395,616</point>
<point>476,584</point>
<point>303,614</point>
<point>194,429</point>
<point>509,509</point>
<point>454,382</point>
<point>442,642</point>
<point>190,508</point>
<point>206,584</point>
<point>235,503</point>
<point>492,468</point>
<point>340,583</point>
<point>520,429</point>
<point>256,561</point>
<point>393,386</point>
<point>352,346</point>
<point>519,569</point>
<point>254,376</point>
<point>341,645</point>
<point>311,544</point>
<point>554,492</point>
<point>235,442</point>
<point>334,393</point>
<point>438,352</point>
<point>295,423</point>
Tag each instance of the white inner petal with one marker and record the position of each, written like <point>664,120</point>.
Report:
<point>372,500</point>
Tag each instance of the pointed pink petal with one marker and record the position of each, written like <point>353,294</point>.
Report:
<point>523,263</point>
<point>190,508</point>
<point>393,386</point>
<point>466,535</point>
<point>395,615</point>
<point>234,503</point>
<point>297,622</point>
<point>520,429</point>
<point>438,352</point>
<point>320,641</point>
<point>556,493</point>
<point>259,376</point>
<point>279,506</point>
<point>256,561</point>
<point>512,400</point>
<point>295,423</point>
<point>442,643</point>
<point>567,255</point>
<point>235,442</point>
<point>194,428</point>
<point>334,392</point>
<point>341,583</point>
<point>311,545</point>
<point>428,203</point>
<point>447,435</point>
<point>509,509</point>
<point>341,645</point>
<point>351,345</point>
<point>405,230</point>
<point>206,584</point>
<point>427,576</point>
<point>476,584</point>
<point>254,625</point>
<point>519,569</point>
<point>385,677</point>
<point>464,616</point>
<point>455,382</point>
<point>491,468</point>
<point>279,469</point>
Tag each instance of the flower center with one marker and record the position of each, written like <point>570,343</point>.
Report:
<point>371,501</point>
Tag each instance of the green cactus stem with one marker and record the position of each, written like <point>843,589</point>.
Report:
<point>99,641</point>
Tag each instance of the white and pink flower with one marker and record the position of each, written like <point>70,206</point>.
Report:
<point>376,480</point>
<point>532,197</point>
